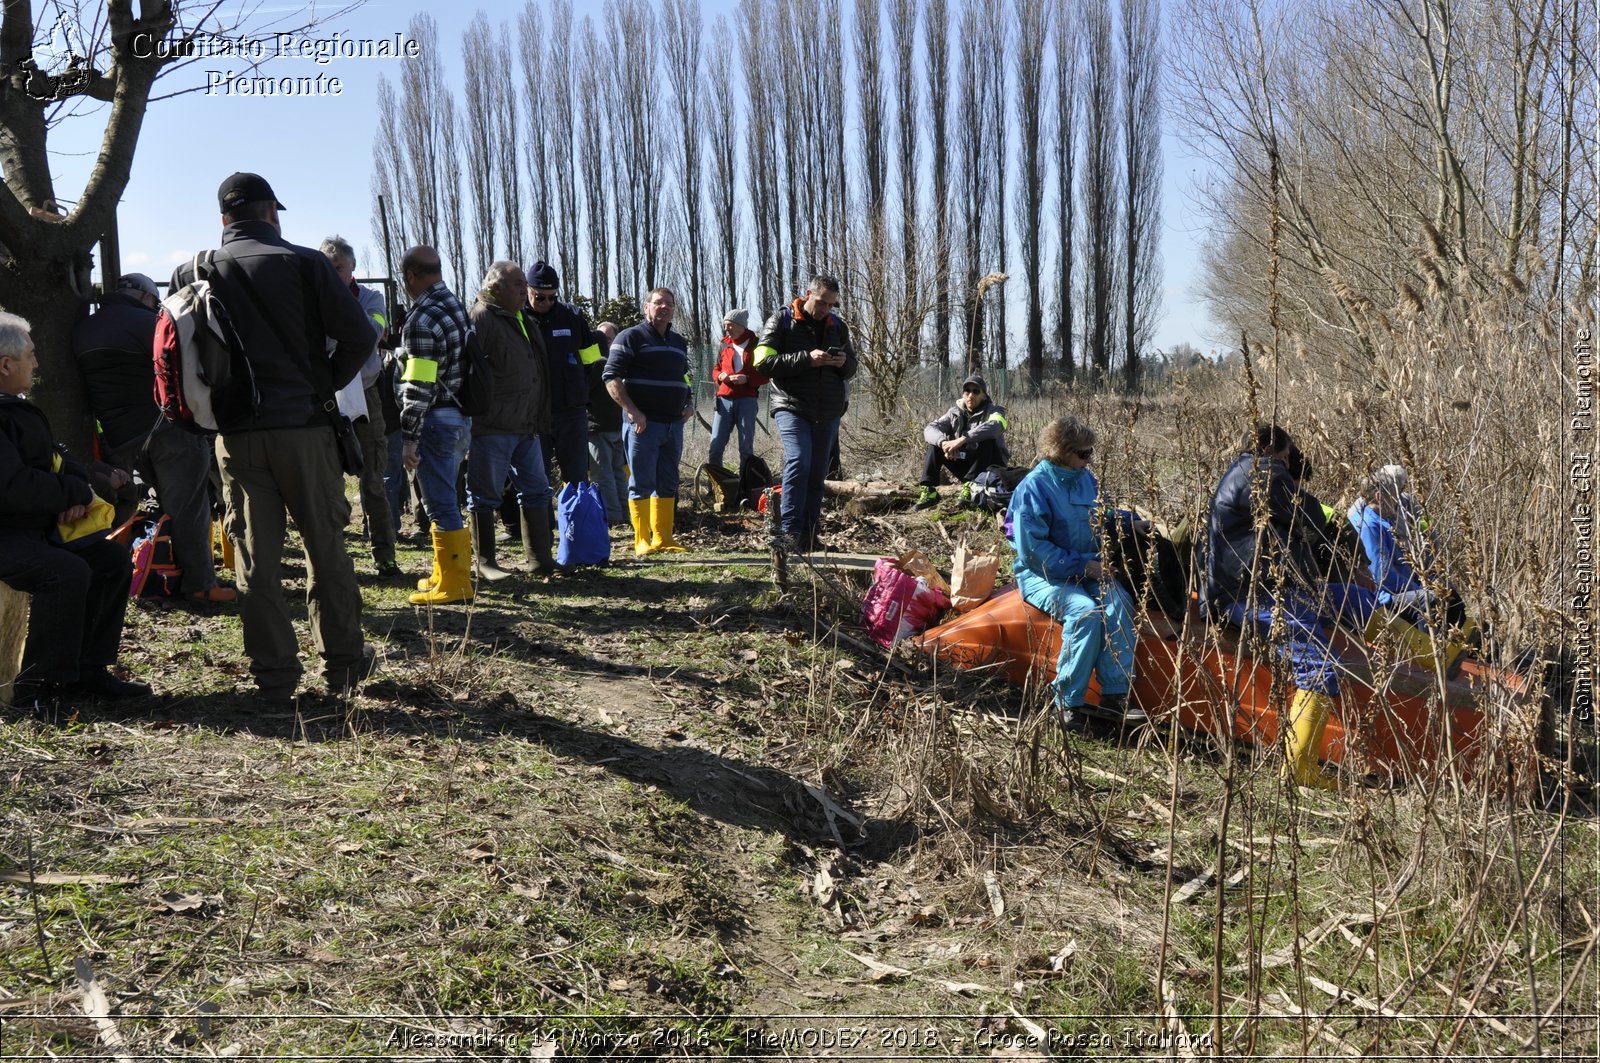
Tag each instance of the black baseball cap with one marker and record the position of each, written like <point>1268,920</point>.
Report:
<point>242,188</point>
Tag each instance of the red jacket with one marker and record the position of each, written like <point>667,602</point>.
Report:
<point>725,368</point>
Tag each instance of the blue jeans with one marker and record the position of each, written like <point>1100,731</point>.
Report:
<point>807,449</point>
<point>731,412</point>
<point>445,431</point>
<point>608,470</point>
<point>1096,634</point>
<point>1299,641</point>
<point>394,475</point>
<point>491,457</point>
<point>653,458</point>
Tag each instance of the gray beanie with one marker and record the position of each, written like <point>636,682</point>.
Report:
<point>737,317</point>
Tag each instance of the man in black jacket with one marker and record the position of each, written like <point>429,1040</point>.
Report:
<point>276,443</point>
<point>805,348</point>
<point>79,590</point>
<point>113,350</point>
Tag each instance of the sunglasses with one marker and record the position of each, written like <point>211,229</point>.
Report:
<point>1085,454</point>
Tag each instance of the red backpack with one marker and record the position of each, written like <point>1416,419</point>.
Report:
<point>155,569</point>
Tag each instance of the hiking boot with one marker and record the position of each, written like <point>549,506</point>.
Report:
<point>1116,708</point>
<point>100,683</point>
<point>215,595</point>
<point>1073,720</point>
<point>388,569</point>
<point>966,494</point>
<point>927,499</point>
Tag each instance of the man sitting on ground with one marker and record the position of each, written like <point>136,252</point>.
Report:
<point>79,589</point>
<point>969,438</point>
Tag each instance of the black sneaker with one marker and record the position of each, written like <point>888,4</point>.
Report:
<point>927,499</point>
<point>388,569</point>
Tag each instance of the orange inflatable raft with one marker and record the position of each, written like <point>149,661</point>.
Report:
<point>1392,718</point>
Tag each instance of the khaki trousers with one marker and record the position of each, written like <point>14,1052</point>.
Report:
<point>293,472</point>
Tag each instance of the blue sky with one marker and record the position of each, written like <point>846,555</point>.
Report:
<point>317,153</point>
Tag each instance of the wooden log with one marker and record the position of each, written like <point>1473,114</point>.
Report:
<point>13,634</point>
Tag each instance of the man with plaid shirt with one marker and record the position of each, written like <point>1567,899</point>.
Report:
<point>436,432</point>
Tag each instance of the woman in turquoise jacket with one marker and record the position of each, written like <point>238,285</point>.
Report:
<point>1058,570</point>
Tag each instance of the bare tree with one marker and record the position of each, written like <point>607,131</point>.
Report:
<point>1141,180</point>
<point>454,243</point>
<point>996,44</point>
<point>392,177</point>
<point>58,70</point>
<point>556,112</point>
<point>726,161</point>
<point>593,162</point>
<point>904,16</point>
<point>973,138</point>
<point>631,38</point>
<point>682,25</point>
<point>421,81</point>
<point>1032,20</point>
<point>1101,259</point>
<point>1064,37</point>
<point>833,189</point>
<point>869,108</point>
<point>508,154</point>
<point>937,32</point>
<point>531,35</point>
<point>478,54</point>
<point>761,133</point>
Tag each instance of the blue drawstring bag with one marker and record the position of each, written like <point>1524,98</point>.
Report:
<point>581,524</point>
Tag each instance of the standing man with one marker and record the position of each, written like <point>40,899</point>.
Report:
<point>371,430</point>
<point>805,348</point>
<point>571,346</point>
<point>506,438</point>
<point>647,374</point>
<point>737,385</point>
<point>436,431</point>
<point>275,446</point>
<point>113,350</point>
<point>969,438</point>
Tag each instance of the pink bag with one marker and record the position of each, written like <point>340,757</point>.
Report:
<point>899,603</point>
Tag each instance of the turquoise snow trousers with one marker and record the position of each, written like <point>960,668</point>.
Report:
<point>1096,634</point>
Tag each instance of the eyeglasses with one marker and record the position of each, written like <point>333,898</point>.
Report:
<point>1085,454</point>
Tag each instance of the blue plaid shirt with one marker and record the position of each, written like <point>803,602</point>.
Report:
<point>434,342</point>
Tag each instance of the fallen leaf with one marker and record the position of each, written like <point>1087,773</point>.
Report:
<point>749,657</point>
<point>347,847</point>
<point>617,985</point>
<point>181,902</point>
<point>965,989</point>
<point>881,972</point>
<point>483,852</point>
<point>533,893</point>
<point>997,902</point>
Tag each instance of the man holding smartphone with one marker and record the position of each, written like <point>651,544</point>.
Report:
<point>805,349</point>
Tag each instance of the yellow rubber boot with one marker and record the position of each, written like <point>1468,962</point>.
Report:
<point>1415,645</point>
<point>1308,718</point>
<point>428,583</point>
<point>452,553</point>
<point>663,511</point>
<point>639,512</point>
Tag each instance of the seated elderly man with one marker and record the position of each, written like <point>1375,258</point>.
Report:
<point>79,589</point>
<point>969,438</point>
